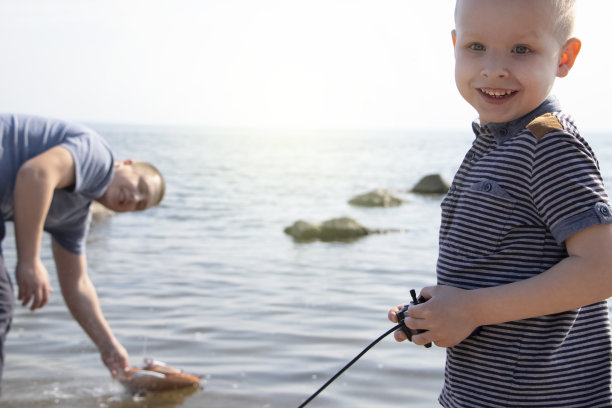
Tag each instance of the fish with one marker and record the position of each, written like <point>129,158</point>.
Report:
<point>156,376</point>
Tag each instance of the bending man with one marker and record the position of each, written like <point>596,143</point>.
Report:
<point>50,172</point>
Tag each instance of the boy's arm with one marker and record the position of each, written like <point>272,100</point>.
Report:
<point>34,185</point>
<point>82,301</point>
<point>583,278</point>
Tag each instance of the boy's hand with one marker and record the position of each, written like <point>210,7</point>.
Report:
<point>447,316</point>
<point>34,284</point>
<point>392,315</point>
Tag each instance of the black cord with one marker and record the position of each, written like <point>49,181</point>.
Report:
<point>346,367</point>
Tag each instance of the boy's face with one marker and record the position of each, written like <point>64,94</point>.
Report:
<point>506,56</point>
<point>131,189</point>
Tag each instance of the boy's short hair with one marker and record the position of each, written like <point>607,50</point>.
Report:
<point>563,21</point>
<point>147,168</point>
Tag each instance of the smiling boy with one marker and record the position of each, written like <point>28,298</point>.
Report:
<point>525,265</point>
<point>506,73</point>
<point>51,171</point>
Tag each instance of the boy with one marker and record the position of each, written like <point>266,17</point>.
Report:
<point>525,265</point>
<point>50,172</point>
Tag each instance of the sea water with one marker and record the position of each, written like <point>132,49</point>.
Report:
<point>209,282</point>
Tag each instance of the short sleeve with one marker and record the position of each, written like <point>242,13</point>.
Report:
<point>93,161</point>
<point>567,187</point>
<point>68,218</point>
<point>72,236</point>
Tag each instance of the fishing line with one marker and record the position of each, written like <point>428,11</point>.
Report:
<point>401,314</point>
<point>144,348</point>
<point>346,367</point>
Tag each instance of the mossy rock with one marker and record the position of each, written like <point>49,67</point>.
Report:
<point>304,231</point>
<point>431,184</point>
<point>376,198</point>
<point>340,229</point>
<point>336,229</point>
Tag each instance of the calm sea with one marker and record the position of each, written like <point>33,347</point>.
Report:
<point>209,283</point>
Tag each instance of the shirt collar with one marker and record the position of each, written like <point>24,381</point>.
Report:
<point>503,131</point>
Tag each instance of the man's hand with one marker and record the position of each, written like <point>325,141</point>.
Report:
<point>116,359</point>
<point>82,301</point>
<point>34,285</point>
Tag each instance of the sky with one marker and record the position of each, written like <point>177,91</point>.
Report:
<point>349,64</point>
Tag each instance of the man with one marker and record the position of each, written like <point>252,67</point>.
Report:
<point>50,172</point>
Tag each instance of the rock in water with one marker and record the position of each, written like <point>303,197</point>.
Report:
<point>304,231</point>
<point>376,198</point>
<point>431,184</point>
<point>340,229</point>
<point>337,229</point>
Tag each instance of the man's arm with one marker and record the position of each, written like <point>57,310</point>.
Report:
<point>583,278</point>
<point>82,301</point>
<point>34,186</point>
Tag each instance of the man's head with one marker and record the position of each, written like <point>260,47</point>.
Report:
<point>135,186</point>
<point>509,52</point>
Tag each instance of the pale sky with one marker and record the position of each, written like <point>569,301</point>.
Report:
<point>374,64</point>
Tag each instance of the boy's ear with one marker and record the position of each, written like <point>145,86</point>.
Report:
<point>454,35</point>
<point>569,52</point>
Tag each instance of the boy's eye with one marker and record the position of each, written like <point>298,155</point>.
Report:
<point>476,47</point>
<point>521,49</point>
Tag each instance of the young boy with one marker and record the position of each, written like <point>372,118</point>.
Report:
<point>525,261</point>
<point>51,171</point>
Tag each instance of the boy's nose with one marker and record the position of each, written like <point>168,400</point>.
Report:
<point>494,67</point>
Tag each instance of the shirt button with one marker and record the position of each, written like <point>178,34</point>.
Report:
<point>604,211</point>
<point>487,187</point>
<point>503,132</point>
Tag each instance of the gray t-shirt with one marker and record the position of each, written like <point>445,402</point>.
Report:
<point>24,137</point>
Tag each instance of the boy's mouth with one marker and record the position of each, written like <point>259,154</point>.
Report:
<point>497,94</point>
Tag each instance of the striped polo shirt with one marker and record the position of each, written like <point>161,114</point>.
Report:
<point>522,189</point>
